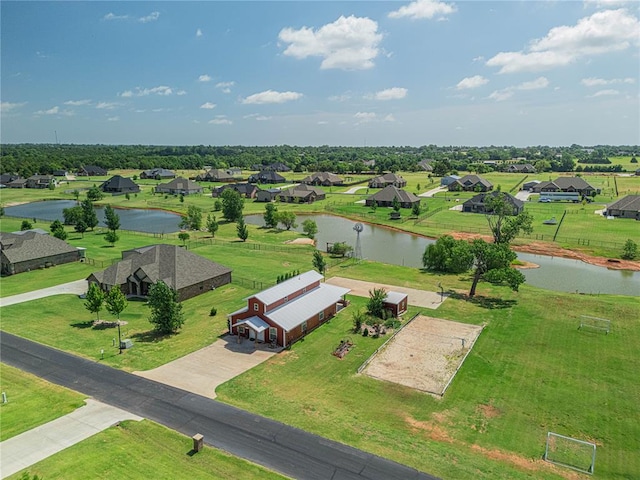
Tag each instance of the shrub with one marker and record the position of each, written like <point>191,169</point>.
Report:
<point>365,332</point>
<point>213,312</point>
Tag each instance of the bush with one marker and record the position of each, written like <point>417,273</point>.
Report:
<point>213,312</point>
<point>392,323</point>
<point>365,332</point>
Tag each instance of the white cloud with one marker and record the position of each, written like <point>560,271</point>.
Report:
<point>152,17</point>
<point>596,82</point>
<point>424,9</point>
<point>395,93</point>
<point>220,120</point>
<point>204,78</point>
<point>323,122</point>
<point>271,96</point>
<point>55,111</point>
<point>77,103</point>
<point>263,118</point>
<point>113,119</point>
<point>143,92</point>
<point>506,93</point>
<point>479,58</point>
<point>6,107</point>
<point>389,118</point>
<point>126,94</point>
<point>181,92</point>
<point>365,117</point>
<point>501,95</point>
<point>208,106</point>
<point>605,3</point>
<point>471,82</point>
<point>349,43</point>
<point>113,16</point>
<point>225,86</point>
<point>603,32</point>
<point>198,33</point>
<point>340,98</point>
<point>605,93</point>
<point>106,105</point>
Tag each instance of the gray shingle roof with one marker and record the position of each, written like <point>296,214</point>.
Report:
<point>388,193</point>
<point>118,182</point>
<point>181,184</point>
<point>174,265</point>
<point>32,245</point>
<point>630,202</point>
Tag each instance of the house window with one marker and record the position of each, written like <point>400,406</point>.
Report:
<point>304,327</point>
<point>255,307</point>
<point>241,330</point>
<point>273,334</point>
<point>321,316</point>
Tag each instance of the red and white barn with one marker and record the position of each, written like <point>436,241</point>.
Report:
<point>288,311</point>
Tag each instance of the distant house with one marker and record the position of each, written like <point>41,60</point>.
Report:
<point>325,179</point>
<point>520,168</point>
<point>246,190</point>
<point>40,181</point>
<point>185,272</point>
<point>158,174</point>
<point>18,183</point>
<point>396,303</point>
<point>60,173</point>
<point>476,204</point>
<point>530,185</point>
<point>301,194</point>
<point>288,311</point>
<point>179,186</point>
<point>7,178</point>
<point>448,180</point>
<point>470,183</point>
<point>267,195</point>
<point>234,171</point>
<point>214,175</point>
<point>425,164</point>
<point>91,171</point>
<point>30,250</point>
<point>274,167</point>
<point>384,198</point>
<point>118,185</point>
<point>627,207</point>
<point>267,176</point>
<point>566,184</point>
<point>386,180</point>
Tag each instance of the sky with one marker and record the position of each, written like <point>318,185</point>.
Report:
<point>360,73</point>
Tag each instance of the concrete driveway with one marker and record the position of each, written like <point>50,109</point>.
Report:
<point>78,287</point>
<point>202,371</point>
<point>418,298</point>
<point>432,192</point>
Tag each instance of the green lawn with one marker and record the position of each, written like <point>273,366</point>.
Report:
<point>31,401</point>
<point>143,450</point>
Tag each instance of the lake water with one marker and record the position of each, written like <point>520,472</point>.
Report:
<point>388,246</point>
<point>151,221</point>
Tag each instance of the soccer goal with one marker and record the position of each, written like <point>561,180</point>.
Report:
<point>570,452</point>
<point>595,324</point>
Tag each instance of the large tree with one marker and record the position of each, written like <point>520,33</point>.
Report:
<point>288,219</point>
<point>58,231</point>
<point>193,219</point>
<point>504,225</point>
<point>492,262</point>
<point>115,301</point>
<point>212,225</point>
<point>94,299</point>
<point>89,214</point>
<point>310,228</point>
<point>112,237</point>
<point>448,255</point>
<point>270,215</point>
<point>319,263</point>
<point>232,205</point>
<point>112,219</point>
<point>94,193</point>
<point>166,311</point>
<point>242,230</point>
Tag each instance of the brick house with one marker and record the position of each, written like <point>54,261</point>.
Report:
<point>179,186</point>
<point>185,272</point>
<point>30,250</point>
<point>470,183</point>
<point>288,311</point>
<point>215,175</point>
<point>384,198</point>
<point>246,190</point>
<point>301,194</point>
<point>626,207</point>
<point>386,180</point>
<point>158,174</point>
<point>91,171</point>
<point>476,204</point>
<point>326,179</point>
<point>119,185</point>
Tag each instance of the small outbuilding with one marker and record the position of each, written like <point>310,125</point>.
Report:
<point>396,303</point>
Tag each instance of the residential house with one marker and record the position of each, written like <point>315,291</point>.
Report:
<point>288,311</point>
<point>267,195</point>
<point>30,250</point>
<point>185,272</point>
<point>234,171</point>
<point>246,190</point>
<point>627,207</point>
<point>40,181</point>
<point>18,183</point>
<point>530,185</point>
<point>448,180</point>
<point>476,204</point>
<point>326,179</point>
<point>384,198</point>
<point>396,303</point>
<point>301,194</point>
<point>274,167</point>
<point>470,183</point>
<point>387,179</point>
<point>7,178</point>
<point>567,184</point>
<point>91,171</point>
<point>179,186</point>
<point>158,174</point>
<point>118,185</point>
<point>521,168</point>
<point>214,175</point>
<point>60,173</point>
<point>267,176</point>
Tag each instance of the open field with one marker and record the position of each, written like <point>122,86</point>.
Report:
<point>31,401</point>
<point>143,450</point>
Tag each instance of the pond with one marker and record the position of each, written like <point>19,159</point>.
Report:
<point>150,221</point>
<point>389,246</point>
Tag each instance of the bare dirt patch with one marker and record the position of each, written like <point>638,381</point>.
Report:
<point>301,241</point>
<point>425,354</point>
<point>523,463</point>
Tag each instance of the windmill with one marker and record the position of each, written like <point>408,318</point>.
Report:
<point>358,228</point>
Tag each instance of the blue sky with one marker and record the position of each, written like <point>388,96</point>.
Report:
<point>315,73</point>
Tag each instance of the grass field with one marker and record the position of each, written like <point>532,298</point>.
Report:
<point>143,450</point>
<point>31,401</point>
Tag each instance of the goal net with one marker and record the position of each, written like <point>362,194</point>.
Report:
<point>570,452</point>
<point>595,324</point>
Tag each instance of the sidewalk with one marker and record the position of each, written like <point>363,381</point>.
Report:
<point>77,288</point>
<point>30,447</point>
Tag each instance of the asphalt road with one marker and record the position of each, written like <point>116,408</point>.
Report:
<point>290,451</point>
